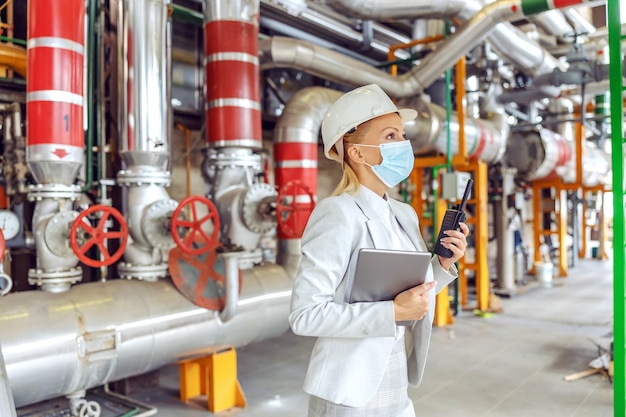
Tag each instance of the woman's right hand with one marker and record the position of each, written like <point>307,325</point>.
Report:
<point>412,304</point>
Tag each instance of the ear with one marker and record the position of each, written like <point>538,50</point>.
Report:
<point>354,154</point>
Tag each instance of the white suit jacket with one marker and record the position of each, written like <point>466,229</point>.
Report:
<point>354,340</point>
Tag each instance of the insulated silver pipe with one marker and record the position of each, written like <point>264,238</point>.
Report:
<point>509,42</point>
<point>57,344</point>
<point>145,117</point>
<point>554,23</point>
<point>7,406</point>
<point>484,139</point>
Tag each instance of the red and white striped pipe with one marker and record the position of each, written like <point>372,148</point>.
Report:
<point>233,103</point>
<point>54,90</point>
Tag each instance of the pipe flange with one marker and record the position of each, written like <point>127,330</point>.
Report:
<point>150,273</point>
<point>155,224</point>
<point>56,234</point>
<point>233,157</point>
<point>58,281</point>
<point>141,177</point>
<point>259,208</point>
<point>39,192</point>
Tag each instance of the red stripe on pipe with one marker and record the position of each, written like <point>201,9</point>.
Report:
<point>230,36</point>
<point>565,152</point>
<point>55,69</point>
<point>233,123</point>
<point>60,19</point>
<point>307,176</point>
<point>564,3</point>
<point>53,122</point>
<point>289,151</point>
<point>481,141</point>
<point>224,80</point>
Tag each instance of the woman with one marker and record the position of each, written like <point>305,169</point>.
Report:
<point>363,361</point>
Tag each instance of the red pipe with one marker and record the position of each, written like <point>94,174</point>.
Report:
<point>54,87</point>
<point>233,104</point>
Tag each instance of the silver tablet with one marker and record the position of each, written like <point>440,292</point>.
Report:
<point>382,274</point>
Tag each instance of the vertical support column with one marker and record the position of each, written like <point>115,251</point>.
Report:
<point>562,229</point>
<point>583,226</point>
<point>480,233</point>
<point>443,315</point>
<point>618,142</point>
<point>482,272</point>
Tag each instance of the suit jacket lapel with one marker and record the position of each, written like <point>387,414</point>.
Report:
<point>375,225</point>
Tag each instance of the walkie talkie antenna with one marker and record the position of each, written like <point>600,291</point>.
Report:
<point>466,194</point>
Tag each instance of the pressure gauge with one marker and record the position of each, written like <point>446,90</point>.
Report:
<point>9,223</point>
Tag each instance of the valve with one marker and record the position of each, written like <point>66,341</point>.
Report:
<point>89,236</point>
<point>292,215</point>
<point>194,240</point>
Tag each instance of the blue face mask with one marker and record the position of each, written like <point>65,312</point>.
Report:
<point>397,162</point>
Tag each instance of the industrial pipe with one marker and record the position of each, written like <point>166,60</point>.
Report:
<point>54,90</point>
<point>15,57</point>
<point>233,103</point>
<point>57,344</point>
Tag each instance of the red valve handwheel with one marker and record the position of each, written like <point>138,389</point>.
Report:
<point>195,241</point>
<point>292,215</point>
<point>97,236</point>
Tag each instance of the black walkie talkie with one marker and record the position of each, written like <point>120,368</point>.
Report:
<point>451,220</point>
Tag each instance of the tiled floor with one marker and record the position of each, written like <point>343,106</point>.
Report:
<point>508,365</point>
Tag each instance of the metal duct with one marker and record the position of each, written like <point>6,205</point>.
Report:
<point>54,90</point>
<point>580,23</point>
<point>332,28</point>
<point>145,117</point>
<point>542,153</point>
<point>57,344</point>
<point>484,139</point>
<point>233,104</point>
<point>537,153</point>
<point>296,136</point>
<point>554,23</point>
<point>509,42</point>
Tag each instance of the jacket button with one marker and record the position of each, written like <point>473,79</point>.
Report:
<point>366,331</point>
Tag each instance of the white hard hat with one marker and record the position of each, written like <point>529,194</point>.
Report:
<point>353,108</point>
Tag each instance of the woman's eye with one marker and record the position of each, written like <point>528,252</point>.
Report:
<point>391,136</point>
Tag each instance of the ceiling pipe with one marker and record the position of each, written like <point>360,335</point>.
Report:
<point>578,21</point>
<point>554,23</point>
<point>332,27</point>
<point>510,42</point>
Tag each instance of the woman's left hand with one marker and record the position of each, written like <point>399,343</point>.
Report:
<point>457,243</point>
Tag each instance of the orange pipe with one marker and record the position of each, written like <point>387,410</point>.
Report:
<point>15,57</point>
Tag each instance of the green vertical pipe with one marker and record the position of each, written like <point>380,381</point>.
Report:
<point>448,108</point>
<point>90,57</point>
<point>617,144</point>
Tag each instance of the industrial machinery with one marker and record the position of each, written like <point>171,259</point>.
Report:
<point>113,267</point>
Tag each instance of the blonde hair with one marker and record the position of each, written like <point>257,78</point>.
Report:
<point>349,182</point>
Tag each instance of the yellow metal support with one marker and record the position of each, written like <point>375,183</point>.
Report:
<point>443,315</point>
<point>214,376</point>
<point>559,207</point>
<point>481,233</point>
